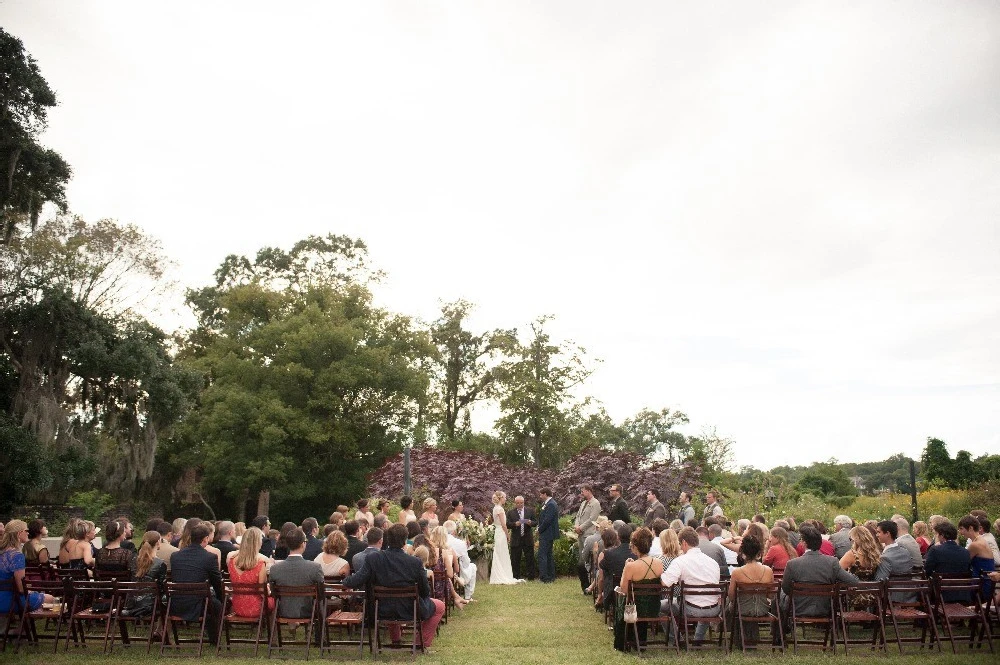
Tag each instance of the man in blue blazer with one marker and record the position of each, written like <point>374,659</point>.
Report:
<point>548,531</point>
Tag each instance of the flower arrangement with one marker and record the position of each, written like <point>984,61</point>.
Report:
<point>479,536</point>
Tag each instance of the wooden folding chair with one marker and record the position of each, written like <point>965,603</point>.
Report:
<point>257,624</point>
<point>862,604</point>
<point>282,594</point>
<point>125,597</point>
<point>349,618</point>
<point>409,594</point>
<point>200,592</point>
<point>12,618</point>
<point>62,591</point>
<point>957,612</point>
<point>750,594</point>
<point>827,592</point>
<point>644,590</point>
<point>909,600</point>
<point>91,604</point>
<point>691,591</point>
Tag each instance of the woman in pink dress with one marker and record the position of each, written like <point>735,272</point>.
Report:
<point>248,566</point>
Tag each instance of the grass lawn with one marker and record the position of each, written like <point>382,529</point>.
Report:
<point>528,623</point>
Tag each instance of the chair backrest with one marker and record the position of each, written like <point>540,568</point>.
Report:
<point>746,590</point>
<point>711,590</point>
<point>295,591</point>
<point>56,588</point>
<point>120,575</point>
<point>956,583</point>
<point>333,579</point>
<point>647,590</point>
<point>189,589</point>
<point>384,592</point>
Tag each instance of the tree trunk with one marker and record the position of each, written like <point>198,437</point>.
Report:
<point>242,515</point>
<point>263,502</point>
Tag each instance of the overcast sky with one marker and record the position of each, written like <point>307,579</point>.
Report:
<point>780,218</point>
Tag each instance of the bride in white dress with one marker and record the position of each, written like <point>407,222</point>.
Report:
<point>500,570</point>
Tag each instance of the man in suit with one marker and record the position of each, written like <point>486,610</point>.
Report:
<point>354,544</point>
<point>267,545</point>
<point>467,569</point>
<point>686,512</point>
<point>314,545</point>
<point>166,549</point>
<point>548,531</point>
<point>656,509</point>
<point>947,556</point>
<point>813,567</point>
<point>619,506</point>
<point>841,537</point>
<point>296,571</point>
<point>226,531</point>
<point>908,542</point>
<point>895,559</point>
<point>196,564</point>
<point>393,567</point>
<point>712,507</point>
<point>584,526</point>
<point>374,537</point>
<point>714,551</point>
<point>521,525</point>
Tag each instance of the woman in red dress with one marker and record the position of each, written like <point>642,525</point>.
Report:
<point>248,566</point>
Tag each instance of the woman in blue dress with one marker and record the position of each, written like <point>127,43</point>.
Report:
<point>12,564</point>
<point>981,558</point>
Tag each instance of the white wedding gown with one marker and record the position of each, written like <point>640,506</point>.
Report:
<point>500,570</point>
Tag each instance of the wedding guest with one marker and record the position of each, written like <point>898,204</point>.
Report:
<point>907,542</point>
<point>609,539</point>
<point>813,567</point>
<point>34,550</point>
<point>148,568</point>
<point>451,566</point>
<point>655,510</point>
<point>779,550</point>
<point>177,531</point>
<point>238,530</point>
<point>75,551</point>
<point>713,550</point>
<point>127,540</point>
<point>865,557</point>
<point>281,549</point>
<point>947,556</point>
<point>985,535</point>
<point>980,557</point>
<point>248,566</point>
<point>113,558</point>
<point>826,547</point>
<point>331,558</point>
<point>354,543</point>
<point>788,524</point>
<point>686,511</point>
<point>12,567</point>
<point>343,510</point>
<point>643,570</point>
<point>457,511</point>
<point>393,567</point>
<point>406,513</point>
<point>751,572</point>
<point>374,540</point>
<point>670,546</point>
<point>362,512</point>
<point>658,527</point>
<point>296,571</point>
<point>165,529</point>
<point>412,531</point>
<point>225,540</point>
<point>692,567</point>
<point>267,545</point>
<point>619,506</point>
<point>91,536</point>
<point>314,545</point>
<point>841,536</point>
<point>328,529</point>
<point>430,509</point>
<point>920,534</point>
<point>193,564</point>
<point>676,525</point>
<point>467,569</point>
<point>613,563</point>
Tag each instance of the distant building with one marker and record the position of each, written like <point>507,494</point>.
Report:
<point>859,483</point>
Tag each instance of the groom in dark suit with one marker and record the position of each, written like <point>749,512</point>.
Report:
<point>521,525</point>
<point>548,531</point>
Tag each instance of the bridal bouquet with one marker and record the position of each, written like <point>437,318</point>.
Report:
<point>479,536</point>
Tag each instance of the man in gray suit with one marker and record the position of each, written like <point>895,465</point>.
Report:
<point>841,537</point>
<point>812,567</point>
<point>296,571</point>
<point>895,559</point>
<point>908,542</point>
<point>374,538</point>
<point>714,551</point>
<point>583,525</point>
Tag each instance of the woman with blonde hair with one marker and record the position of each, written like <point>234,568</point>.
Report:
<point>430,509</point>
<point>12,565</point>
<point>248,566</point>
<point>448,565</point>
<point>238,530</point>
<point>864,556</point>
<point>75,551</point>
<point>671,547</point>
<point>919,533</point>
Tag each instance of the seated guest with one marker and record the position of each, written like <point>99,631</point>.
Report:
<point>314,545</point>
<point>466,568</point>
<point>713,550</point>
<point>693,566</point>
<point>715,535</point>
<point>864,559</point>
<point>238,530</point>
<point>75,551</point>
<point>907,542</point>
<point>267,545</point>
<point>644,570</point>
<point>113,558</point>
<point>609,539</point>
<point>12,565</point>
<point>374,540</point>
<point>148,568</point>
<point>127,540</point>
<point>920,533</point>
<point>412,531</point>
<point>337,519</point>
<point>613,564</point>
<point>779,550</point>
<point>947,556</point>
<point>177,531</point>
<point>165,529</point>
<point>813,567</point>
<point>192,564</point>
<point>34,551</point>
<point>248,566</point>
<point>751,572</point>
<point>330,528</point>
<point>841,536</point>
<point>281,549</point>
<point>895,559</point>
<point>354,543</point>
<point>439,538</point>
<point>225,540</point>
<point>980,557</point>
<point>331,558</point>
<point>296,571</point>
<point>669,546</point>
<point>984,534</point>
<point>826,547</point>
<point>393,567</point>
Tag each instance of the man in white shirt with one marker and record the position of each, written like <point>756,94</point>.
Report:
<point>692,567</point>
<point>465,565</point>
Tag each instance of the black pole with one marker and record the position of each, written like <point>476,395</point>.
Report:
<point>913,490</point>
<point>406,471</point>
